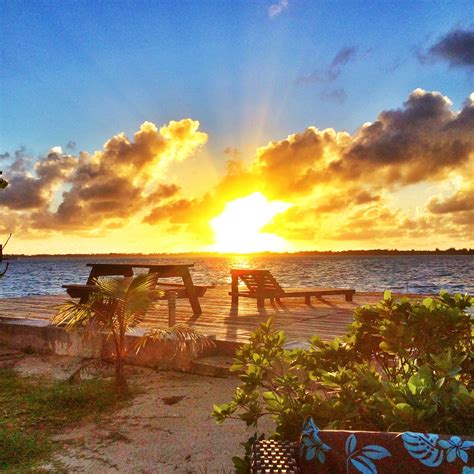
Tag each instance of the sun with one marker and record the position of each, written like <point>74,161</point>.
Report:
<point>237,229</point>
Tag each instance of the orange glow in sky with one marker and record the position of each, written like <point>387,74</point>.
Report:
<point>238,228</point>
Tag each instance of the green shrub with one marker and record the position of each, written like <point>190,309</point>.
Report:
<point>404,365</point>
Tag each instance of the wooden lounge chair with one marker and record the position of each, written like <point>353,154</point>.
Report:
<point>261,284</point>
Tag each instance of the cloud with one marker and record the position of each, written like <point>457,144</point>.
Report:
<point>456,48</point>
<point>233,153</point>
<point>337,95</point>
<point>71,145</point>
<point>424,140</point>
<point>341,185</point>
<point>461,201</point>
<point>26,191</point>
<point>276,8</point>
<point>329,74</point>
<point>108,185</point>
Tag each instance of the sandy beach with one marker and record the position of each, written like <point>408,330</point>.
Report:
<point>167,427</point>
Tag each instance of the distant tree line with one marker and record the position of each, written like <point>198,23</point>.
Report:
<point>450,251</point>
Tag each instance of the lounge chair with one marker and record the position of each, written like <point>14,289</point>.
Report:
<point>261,284</point>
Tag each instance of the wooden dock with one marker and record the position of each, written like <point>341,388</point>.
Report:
<point>326,317</point>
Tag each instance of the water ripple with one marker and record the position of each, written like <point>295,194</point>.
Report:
<point>414,274</point>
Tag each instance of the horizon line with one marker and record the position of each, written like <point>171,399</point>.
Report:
<point>463,250</point>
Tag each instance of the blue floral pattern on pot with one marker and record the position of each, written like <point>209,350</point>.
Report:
<point>430,451</point>
<point>311,444</point>
<point>456,448</point>
<point>362,458</point>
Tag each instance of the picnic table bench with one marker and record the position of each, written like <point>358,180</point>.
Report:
<point>186,289</point>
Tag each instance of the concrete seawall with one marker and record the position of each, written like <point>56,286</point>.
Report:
<point>42,337</point>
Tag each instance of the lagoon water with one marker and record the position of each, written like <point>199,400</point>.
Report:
<point>406,273</point>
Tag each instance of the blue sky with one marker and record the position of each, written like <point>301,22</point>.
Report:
<point>84,70</point>
<point>270,82</point>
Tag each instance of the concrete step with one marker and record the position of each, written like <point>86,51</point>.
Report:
<point>214,366</point>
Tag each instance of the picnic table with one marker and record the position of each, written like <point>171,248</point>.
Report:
<point>186,289</point>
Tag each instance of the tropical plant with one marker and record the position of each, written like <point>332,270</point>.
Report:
<point>2,247</point>
<point>116,308</point>
<point>3,183</point>
<point>404,365</point>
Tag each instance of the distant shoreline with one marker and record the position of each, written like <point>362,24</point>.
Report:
<point>373,252</point>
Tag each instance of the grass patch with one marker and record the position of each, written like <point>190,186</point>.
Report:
<point>33,409</point>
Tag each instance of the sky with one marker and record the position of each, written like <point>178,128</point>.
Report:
<point>131,126</point>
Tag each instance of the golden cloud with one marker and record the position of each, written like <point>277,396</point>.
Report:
<point>340,184</point>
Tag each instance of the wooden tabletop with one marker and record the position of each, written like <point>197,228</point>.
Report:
<point>141,265</point>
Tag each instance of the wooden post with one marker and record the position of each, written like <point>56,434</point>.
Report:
<point>171,296</point>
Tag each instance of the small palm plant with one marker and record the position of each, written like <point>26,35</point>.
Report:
<point>116,308</point>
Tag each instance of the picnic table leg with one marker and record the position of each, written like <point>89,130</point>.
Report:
<point>193,299</point>
<point>234,289</point>
<point>171,309</point>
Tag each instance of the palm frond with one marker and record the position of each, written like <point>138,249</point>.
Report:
<point>72,315</point>
<point>114,288</point>
<point>140,297</point>
<point>181,336</point>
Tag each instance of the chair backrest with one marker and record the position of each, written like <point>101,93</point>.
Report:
<point>256,280</point>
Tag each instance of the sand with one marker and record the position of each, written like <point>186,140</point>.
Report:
<point>166,428</point>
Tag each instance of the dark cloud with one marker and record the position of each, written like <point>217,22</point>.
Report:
<point>71,145</point>
<point>27,191</point>
<point>422,141</point>
<point>456,47</point>
<point>336,95</point>
<point>343,57</point>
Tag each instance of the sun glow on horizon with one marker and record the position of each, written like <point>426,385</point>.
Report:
<point>237,229</point>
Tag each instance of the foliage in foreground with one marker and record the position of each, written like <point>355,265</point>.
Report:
<point>34,408</point>
<point>117,308</point>
<point>404,365</point>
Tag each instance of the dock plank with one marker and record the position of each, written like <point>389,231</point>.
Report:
<point>326,317</point>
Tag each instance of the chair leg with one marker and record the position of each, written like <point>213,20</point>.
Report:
<point>260,302</point>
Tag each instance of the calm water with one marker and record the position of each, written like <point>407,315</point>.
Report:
<point>415,274</point>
